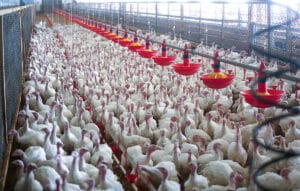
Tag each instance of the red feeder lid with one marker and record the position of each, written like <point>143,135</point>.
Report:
<point>186,68</point>
<point>163,59</point>
<point>125,42</point>
<point>217,79</point>
<point>147,52</point>
<point>134,46</point>
<point>217,83</point>
<point>272,95</point>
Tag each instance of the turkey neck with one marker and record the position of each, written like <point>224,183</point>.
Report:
<point>47,86</point>
<point>53,134</point>
<point>74,168</point>
<point>67,131</point>
<point>29,179</point>
<point>26,126</point>
<point>39,101</point>
<point>81,163</point>
<point>296,132</point>
<point>176,155</point>
<point>218,154</point>
<point>238,138</point>
<point>52,113</point>
<point>102,178</point>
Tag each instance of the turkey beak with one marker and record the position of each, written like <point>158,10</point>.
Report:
<point>31,167</point>
<point>21,114</point>
<point>154,147</point>
<point>59,144</point>
<point>239,178</point>
<point>46,131</point>
<point>82,151</point>
<point>36,115</point>
<point>17,154</point>
<point>18,163</point>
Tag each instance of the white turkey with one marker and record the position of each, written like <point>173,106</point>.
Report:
<point>28,181</point>
<point>154,172</point>
<point>236,151</point>
<point>106,183</point>
<point>167,185</point>
<point>25,136</point>
<point>195,180</point>
<point>33,154</point>
<point>209,157</point>
<point>76,176</point>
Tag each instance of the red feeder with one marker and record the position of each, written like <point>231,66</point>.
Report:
<point>105,33</point>
<point>134,46</point>
<point>272,95</point>
<point>163,59</point>
<point>217,79</point>
<point>147,52</point>
<point>117,38</point>
<point>110,35</point>
<point>125,41</point>
<point>186,68</point>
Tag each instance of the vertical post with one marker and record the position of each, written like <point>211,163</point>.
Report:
<point>156,13</point>
<point>110,12</point>
<point>138,15</point>
<point>222,25</point>
<point>269,35</point>
<point>131,15</point>
<point>200,17</point>
<point>181,20</point>
<point>2,88</point>
<point>289,43</point>
<point>124,13</point>
<point>169,18</point>
<point>239,17</point>
<point>250,27</point>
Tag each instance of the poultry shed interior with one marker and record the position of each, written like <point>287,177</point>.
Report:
<point>149,95</point>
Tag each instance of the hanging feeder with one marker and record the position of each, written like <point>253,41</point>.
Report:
<point>164,59</point>
<point>98,29</point>
<point>110,35</point>
<point>147,52</point>
<point>272,95</point>
<point>125,41</point>
<point>217,79</point>
<point>104,32</point>
<point>186,68</point>
<point>134,46</point>
<point>116,38</point>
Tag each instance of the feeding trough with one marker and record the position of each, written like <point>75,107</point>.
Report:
<point>147,52</point>
<point>164,59</point>
<point>186,68</point>
<point>125,41</point>
<point>217,79</point>
<point>262,91</point>
<point>134,46</point>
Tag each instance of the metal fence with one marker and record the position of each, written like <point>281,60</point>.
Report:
<point>225,24</point>
<point>16,27</point>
